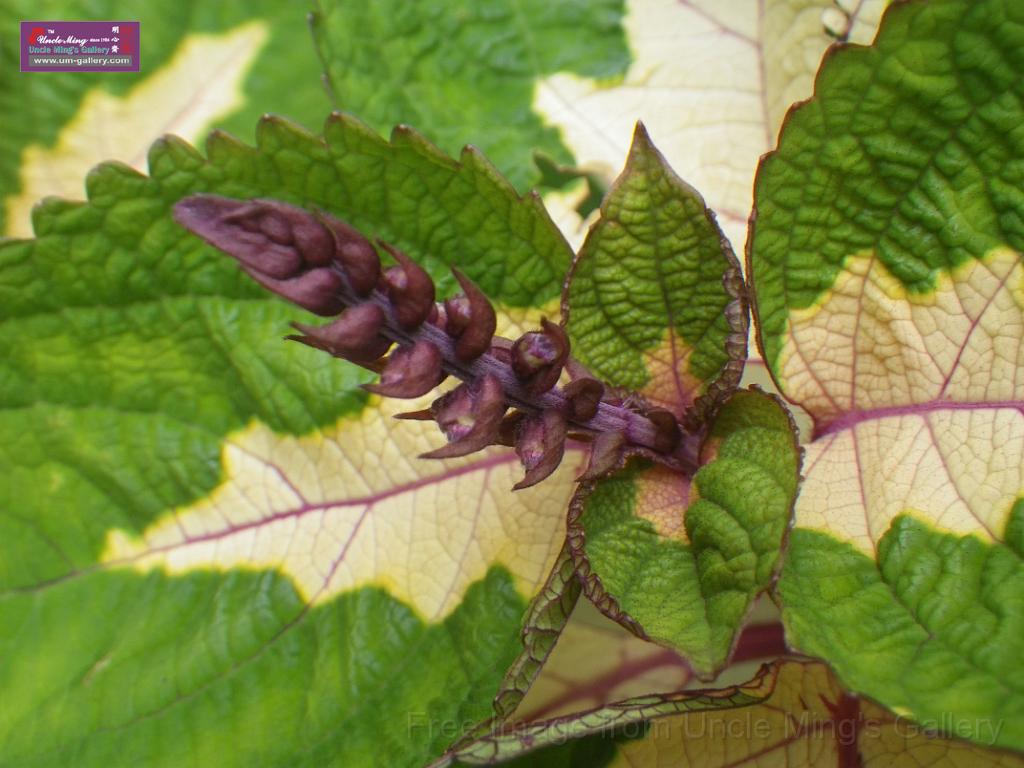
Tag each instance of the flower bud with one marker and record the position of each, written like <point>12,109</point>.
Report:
<point>354,336</point>
<point>471,320</point>
<point>538,357</point>
<point>540,445</point>
<point>410,371</point>
<point>410,288</point>
<point>282,247</point>
<point>357,257</point>
<point>583,397</point>
<point>605,454</point>
<point>470,417</point>
<point>456,310</point>
<point>667,435</point>
<point>318,290</point>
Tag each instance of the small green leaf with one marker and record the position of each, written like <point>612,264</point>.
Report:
<point>655,300</point>
<point>680,561</point>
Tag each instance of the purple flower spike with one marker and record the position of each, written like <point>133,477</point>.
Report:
<point>328,267</point>
<point>282,247</point>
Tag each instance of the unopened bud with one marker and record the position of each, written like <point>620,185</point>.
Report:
<point>354,336</point>
<point>668,434</point>
<point>583,396</point>
<point>457,315</point>
<point>355,254</point>
<point>410,288</point>
<point>605,455</point>
<point>538,357</point>
<point>470,417</point>
<point>282,247</point>
<point>475,321</point>
<point>318,290</point>
<point>410,371</point>
<point>540,445</point>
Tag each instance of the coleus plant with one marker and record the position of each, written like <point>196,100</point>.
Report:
<point>306,590</point>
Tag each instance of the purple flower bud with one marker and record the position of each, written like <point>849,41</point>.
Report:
<point>509,428</point>
<point>318,290</point>
<point>354,336</point>
<point>438,316</point>
<point>583,395</point>
<point>538,357</point>
<point>540,445</point>
<point>282,247</point>
<point>410,288</point>
<point>357,257</point>
<point>411,371</point>
<point>470,417</point>
<point>605,454</point>
<point>474,337</point>
<point>668,433</point>
<point>458,315</point>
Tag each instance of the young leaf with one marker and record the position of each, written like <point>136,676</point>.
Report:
<point>245,558</point>
<point>655,302</point>
<point>466,71</point>
<point>886,254</point>
<point>679,560</point>
<point>229,62</point>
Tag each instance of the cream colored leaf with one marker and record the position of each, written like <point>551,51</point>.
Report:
<point>916,398</point>
<point>201,83</point>
<point>870,344</point>
<point>595,662</point>
<point>807,721</point>
<point>711,81</point>
<point>353,506</point>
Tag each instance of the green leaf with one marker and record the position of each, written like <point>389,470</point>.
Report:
<point>936,623</point>
<point>228,63</point>
<point>655,301</point>
<point>680,561</point>
<point>886,255</point>
<point>214,544</point>
<point>466,71</point>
